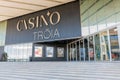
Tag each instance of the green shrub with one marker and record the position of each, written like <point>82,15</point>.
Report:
<point>4,56</point>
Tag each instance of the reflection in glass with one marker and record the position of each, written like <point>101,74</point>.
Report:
<point>69,52</point>
<point>86,49</point>
<point>115,52</point>
<point>104,46</point>
<point>91,48</point>
<point>73,52</point>
<point>60,52</point>
<point>97,47</point>
<point>78,52</point>
<point>19,52</point>
<point>82,50</point>
<point>49,51</point>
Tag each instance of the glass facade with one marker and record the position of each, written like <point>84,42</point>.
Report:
<point>104,46</point>
<point>100,24</point>
<point>81,50</point>
<point>91,48</point>
<point>97,47</point>
<point>3,26</point>
<point>97,15</point>
<point>19,52</point>
<point>115,51</point>
<point>100,46</point>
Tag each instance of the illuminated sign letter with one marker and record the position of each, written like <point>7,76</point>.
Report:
<point>42,18</point>
<point>37,22</point>
<point>58,18</point>
<point>31,23</point>
<point>25,23</point>
<point>18,25</point>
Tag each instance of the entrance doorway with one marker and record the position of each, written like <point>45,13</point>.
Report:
<point>97,47</point>
<point>101,46</point>
<point>91,48</point>
<point>105,54</point>
<point>115,51</point>
<point>73,54</point>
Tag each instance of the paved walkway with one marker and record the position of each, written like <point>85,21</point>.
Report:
<point>60,71</point>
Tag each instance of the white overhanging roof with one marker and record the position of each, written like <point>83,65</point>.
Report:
<point>13,8</point>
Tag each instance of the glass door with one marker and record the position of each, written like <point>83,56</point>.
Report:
<point>115,52</point>
<point>105,54</point>
<point>97,47</point>
<point>86,49</point>
<point>69,52</point>
<point>91,48</point>
<point>82,51</point>
<point>72,52</point>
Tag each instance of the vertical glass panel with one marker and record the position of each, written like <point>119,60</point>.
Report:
<point>91,48</point>
<point>85,30</point>
<point>21,48</point>
<point>69,52</point>
<point>117,7</point>
<point>86,49</point>
<point>85,17</point>
<point>3,26</point>
<point>101,25</point>
<point>29,50</point>
<point>118,18</point>
<point>115,52</point>
<point>78,51</point>
<point>19,52</point>
<point>82,50</point>
<point>9,52</point>
<point>93,29</point>
<point>111,21</point>
<point>105,55</point>
<point>73,52</point>
<point>12,52</point>
<point>76,55</point>
<point>110,13</point>
<point>97,47</point>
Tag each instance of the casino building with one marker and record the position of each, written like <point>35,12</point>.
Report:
<point>79,30</point>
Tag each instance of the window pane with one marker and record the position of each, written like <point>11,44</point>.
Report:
<point>114,44</point>
<point>19,52</point>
